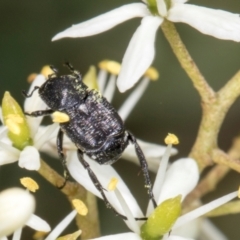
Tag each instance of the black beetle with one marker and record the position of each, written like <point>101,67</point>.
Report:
<point>93,125</point>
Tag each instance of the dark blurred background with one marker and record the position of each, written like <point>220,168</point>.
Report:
<point>169,105</point>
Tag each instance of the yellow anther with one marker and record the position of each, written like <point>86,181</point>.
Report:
<point>39,235</point>
<point>112,67</point>
<point>60,117</point>
<point>112,184</point>
<point>239,192</point>
<point>90,78</point>
<point>29,183</point>
<point>31,77</point>
<point>171,139</point>
<point>80,207</point>
<point>46,70</point>
<point>152,74</point>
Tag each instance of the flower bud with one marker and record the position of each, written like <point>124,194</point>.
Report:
<point>162,219</point>
<point>14,119</point>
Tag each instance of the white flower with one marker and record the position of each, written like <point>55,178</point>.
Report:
<point>16,208</point>
<point>140,52</point>
<point>181,177</point>
<point>29,157</point>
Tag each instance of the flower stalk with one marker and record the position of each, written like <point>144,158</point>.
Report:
<point>89,224</point>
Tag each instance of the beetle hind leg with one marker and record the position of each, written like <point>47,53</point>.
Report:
<point>97,184</point>
<point>144,167</point>
<point>62,157</point>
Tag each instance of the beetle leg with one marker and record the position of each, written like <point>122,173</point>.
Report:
<point>39,113</point>
<point>31,93</point>
<point>62,157</point>
<point>144,167</point>
<point>96,183</point>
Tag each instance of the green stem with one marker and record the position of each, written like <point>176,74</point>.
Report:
<point>214,105</point>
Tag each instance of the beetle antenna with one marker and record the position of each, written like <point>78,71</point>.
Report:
<point>71,68</point>
<point>31,93</point>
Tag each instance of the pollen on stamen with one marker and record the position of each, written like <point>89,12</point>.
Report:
<point>80,207</point>
<point>39,235</point>
<point>46,71</point>
<point>31,77</point>
<point>152,73</point>
<point>112,184</point>
<point>29,183</point>
<point>171,139</point>
<point>60,117</point>
<point>112,67</point>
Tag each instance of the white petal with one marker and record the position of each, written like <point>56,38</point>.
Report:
<point>105,21</point>
<point>3,238</point>
<point>35,103</point>
<point>172,237</point>
<point>139,54</point>
<point>204,209</point>
<point>45,135</point>
<point>8,154</point>
<point>162,8</point>
<point>121,236</point>
<point>104,174</point>
<point>217,23</point>
<point>179,1</point>
<point>61,226</point>
<point>17,234</point>
<point>190,230</point>
<point>181,178</point>
<point>16,207</point>
<point>153,153</point>
<point>38,224</point>
<point>210,231</point>
<point>29,158</point>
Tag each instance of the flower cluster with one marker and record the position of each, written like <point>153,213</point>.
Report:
<point>140,51</point>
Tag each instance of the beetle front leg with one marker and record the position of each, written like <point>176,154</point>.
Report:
<point>97,184</point>
<point>144,167</point>
<point>62,157</point>
<point>39,113</point>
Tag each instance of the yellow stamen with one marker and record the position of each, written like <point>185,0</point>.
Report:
<point>239,192</point>
<point>80,207</point>
<point>112,67</point>
<point>31,77</point>
<point>60,117</point>
<point>112,184</point>
<point>171,139</point>
<point>29,183</point>
<point>39,235</point>
<point>46,70</point>
<point>152,74</point>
